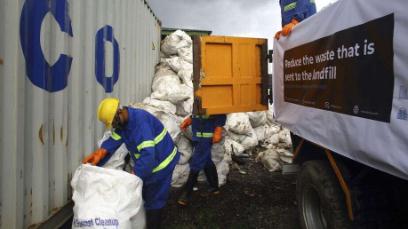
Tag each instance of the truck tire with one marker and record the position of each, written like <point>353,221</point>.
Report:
<point>320,199</point>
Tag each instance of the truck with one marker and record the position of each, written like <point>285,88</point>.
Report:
<point>340,87</point>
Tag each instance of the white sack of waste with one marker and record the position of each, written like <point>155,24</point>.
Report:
<point>260,132</point>
<point>233,148</point>
<point>107,198</point>
<point>284,139</point>
<point>160,104</point>
<point>248,141</point>
<point>271,142</point>
<point>270,160</point>
<point>285,155</point>
<point>180,175</point>
<point>270,119</point>
<point>186,54</point>
<point>264,132</point>
<point>170,121</point>
<point>117,160</point>
<point>188,133</point>
<point>185,76</point>
<point>238,123</point>
<point>167,86</point>
<point>223,170</point>
<point>222,166</point>
<point>185,108</point>
<point>177,64</point>
<point>185,148</point>
<point>218,151</point>
<point>175,41</point>
<point>287,160</point>
<point>257,118</point>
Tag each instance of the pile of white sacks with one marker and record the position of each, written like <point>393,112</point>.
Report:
<point>172,99</point>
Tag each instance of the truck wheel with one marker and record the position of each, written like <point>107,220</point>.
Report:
<point>320,199</point>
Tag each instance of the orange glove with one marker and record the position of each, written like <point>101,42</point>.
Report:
<point>95,157</point>
<point>277,35</point>
<point>217,134</point>
<point>287,29</point>
<point>186,123</point>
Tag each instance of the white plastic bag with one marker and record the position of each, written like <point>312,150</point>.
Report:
<point>238,123</point>
<point>233,147</point>
<point>162,105</point>
<point>180,175</point>
<point>107,198</point>
<point>247,141</point>
<point>185,108</point>
<point>186,53</point>
<point>257,118</point>
<point>270,160</point>
<point>178,64</point>
<point>175,41</point>
<point>218,151</point>
<point>186,77</point>
<point>185,148</point>
<point>117,160</point>
<point>168,87</point>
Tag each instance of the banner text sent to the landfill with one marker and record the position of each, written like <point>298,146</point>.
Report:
<point>327,72</point>
<point>350,71</point>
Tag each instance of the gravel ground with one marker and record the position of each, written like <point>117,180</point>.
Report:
<point>258,199</point>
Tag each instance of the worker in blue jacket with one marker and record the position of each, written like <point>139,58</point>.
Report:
<point>152,150</point>
<point>206,131</point>
<point>293,12</point>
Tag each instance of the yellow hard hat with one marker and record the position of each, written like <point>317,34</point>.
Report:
<point>107,110</point>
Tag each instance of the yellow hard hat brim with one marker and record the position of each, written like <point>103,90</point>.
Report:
<point>107,110</point>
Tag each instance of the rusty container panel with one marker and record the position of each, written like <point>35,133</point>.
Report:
<point>228,74</point>
<point>58,59</point>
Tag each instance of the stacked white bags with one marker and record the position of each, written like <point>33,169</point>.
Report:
<point>171,102</point>
<point>247,131</point>
<point>172,99</point>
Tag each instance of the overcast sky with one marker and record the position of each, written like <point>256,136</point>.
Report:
<point>250,18</point>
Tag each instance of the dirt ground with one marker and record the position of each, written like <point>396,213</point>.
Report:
<point>258,199</point>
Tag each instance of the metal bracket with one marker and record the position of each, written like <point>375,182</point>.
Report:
<point>269,56</point>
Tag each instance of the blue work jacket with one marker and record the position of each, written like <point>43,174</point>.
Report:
<point>203,126</point>
<point>298,9</point>
<point>151,146</point>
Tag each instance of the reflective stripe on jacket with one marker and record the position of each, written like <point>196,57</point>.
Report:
<point>203,126</point>
<point>151,146</point>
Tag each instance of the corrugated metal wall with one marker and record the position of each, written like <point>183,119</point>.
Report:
<point>51,54</point>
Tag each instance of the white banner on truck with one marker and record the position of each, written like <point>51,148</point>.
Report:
<point>340,80</point>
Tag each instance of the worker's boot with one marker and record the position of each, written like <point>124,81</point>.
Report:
<point>212,178</point>
<point>185,197</point>
<point>153,219</point>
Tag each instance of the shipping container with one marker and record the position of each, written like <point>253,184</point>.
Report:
<point>230,74</point>
<point>58,59</point>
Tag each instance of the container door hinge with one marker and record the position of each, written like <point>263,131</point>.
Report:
<point>269,56</point>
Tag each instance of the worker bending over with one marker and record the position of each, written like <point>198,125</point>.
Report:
<point>151,148</point>
<point>206,131</point>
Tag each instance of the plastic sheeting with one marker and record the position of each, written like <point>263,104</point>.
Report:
<point>372,128</point>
